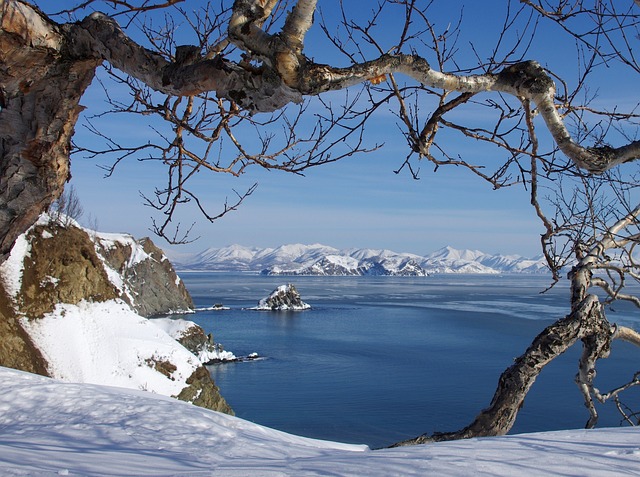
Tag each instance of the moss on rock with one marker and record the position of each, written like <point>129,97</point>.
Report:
<point>203,392</point>
<point>63,267</point>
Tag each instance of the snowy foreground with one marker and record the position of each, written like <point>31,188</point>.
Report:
<point>50,428</point>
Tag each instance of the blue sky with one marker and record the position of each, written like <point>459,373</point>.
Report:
<point>358,202</point>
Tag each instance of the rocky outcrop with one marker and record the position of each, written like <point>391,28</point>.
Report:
<point>150,284</point>
<point>192,336</point>
<point>17,350</point>
<point>57,273</point>
<point>66,265</point>
<point>203,392</point>
<point>196,340</point>
<point>62,266</point>
<point>283,298</point>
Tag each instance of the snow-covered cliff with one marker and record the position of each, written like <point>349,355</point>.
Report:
<point>143,274</point>
<point>70,308</point>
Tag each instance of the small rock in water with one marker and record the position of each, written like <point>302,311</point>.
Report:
<point>283,298</point>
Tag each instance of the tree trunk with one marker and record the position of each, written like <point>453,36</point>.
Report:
<point>45,68</point>
<point>587,320</point>
<point>41,85</point>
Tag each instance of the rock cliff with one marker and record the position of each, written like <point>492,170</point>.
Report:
<point>72,304</point>
<point>150,284</point>
<point>193,337</point>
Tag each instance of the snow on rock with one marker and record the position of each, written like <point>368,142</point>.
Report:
<point>80,298</point>
<point>136,270</point>
<point>216,307</point>
<point>52,428</point>
<point>193,337</point>
<point>11,270</point>
<point>283,298</point>
<point>107,343</point>
<point>142,273</point>
<point>111,241</point>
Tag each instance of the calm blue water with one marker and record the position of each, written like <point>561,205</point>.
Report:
<point>381,359</point>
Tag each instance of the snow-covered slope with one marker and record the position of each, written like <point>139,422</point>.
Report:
<point>320,259</point>
<point>192,337</point>
<point>50,428</point>
<point>75,296</point>
<point>450,260</point>
<point>108,343</point>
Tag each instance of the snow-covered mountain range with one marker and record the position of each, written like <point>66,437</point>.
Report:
<point>317,259</point>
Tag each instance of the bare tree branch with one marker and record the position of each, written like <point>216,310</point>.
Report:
<point>250,76</point>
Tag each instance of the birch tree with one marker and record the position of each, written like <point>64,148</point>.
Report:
<point>250,68</point>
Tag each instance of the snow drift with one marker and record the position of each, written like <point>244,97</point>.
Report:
<point>52,428</point>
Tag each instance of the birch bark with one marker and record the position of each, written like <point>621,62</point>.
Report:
<point>45,69</point>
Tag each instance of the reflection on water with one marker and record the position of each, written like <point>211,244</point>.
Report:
<point>380,359</point>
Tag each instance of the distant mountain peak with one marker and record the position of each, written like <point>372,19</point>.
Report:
<point>319,259</point>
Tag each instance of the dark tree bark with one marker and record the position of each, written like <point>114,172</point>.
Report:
<point>586,322</point>
<point>45,69</point>
<point>42,79</point>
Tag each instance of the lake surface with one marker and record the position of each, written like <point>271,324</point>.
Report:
<point>381,359</point>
